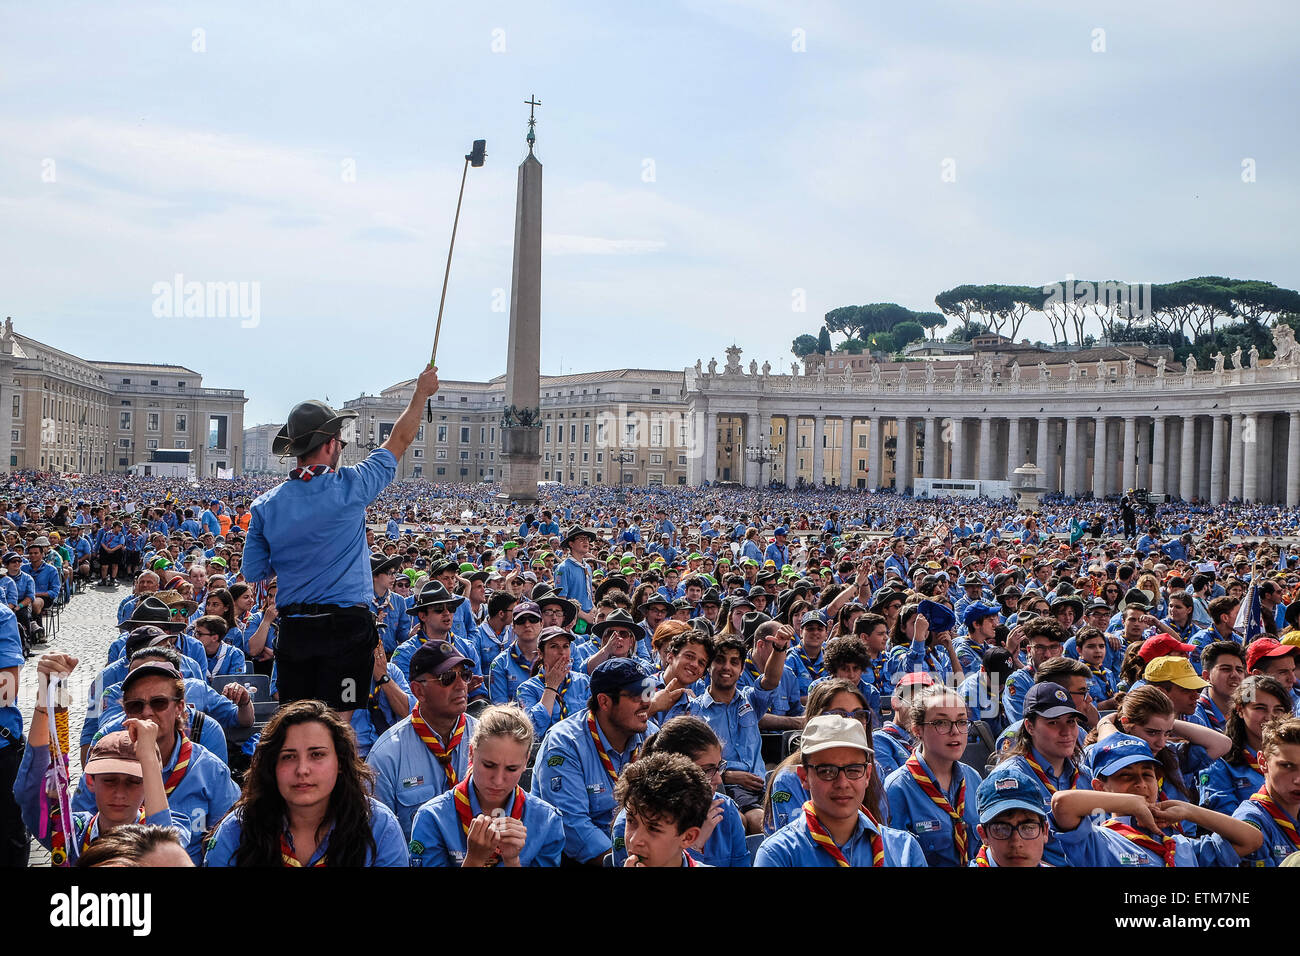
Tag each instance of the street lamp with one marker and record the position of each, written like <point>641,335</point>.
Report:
<point>762,454</point>
<point>620,458</point>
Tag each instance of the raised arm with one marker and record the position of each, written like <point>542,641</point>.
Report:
<point>408,423</point>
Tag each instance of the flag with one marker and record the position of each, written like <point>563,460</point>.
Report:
<point>1250,618</point>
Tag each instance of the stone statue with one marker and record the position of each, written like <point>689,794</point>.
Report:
<point>1236,358</point>
<point>1189,368</point>
<point>794,368</point>
<point>1254,356</point>
<point>929,373</point>
<point>1160,367</point>
<point>767,368</point>
<point>1130,368</point>
<point>988,371</point>
<point>1074,370</point>
<point>1043,374</point>
<point>958,375</point>
<point>902,378</point>
<point>875,375</point>
<point>821,373</point>
<point>1101,370</point>
<point>733,359</point>
<point>1015,373</point>
<point>699,367</point>
<point>753,367</point>
<point>1284,344</point>
<point>848,373</point>
<point>1218,362</point>
<point>713,366</point>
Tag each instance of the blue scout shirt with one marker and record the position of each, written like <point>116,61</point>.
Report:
<point>736,724</point>
<point>969,654</point>
<point>228,660</point>
<point>574,699</point>
<point>569,775</point>
<point>1204,638</point>
<point>11,655</point>
<point>368,726</point>
<point>915,658</point>
<point>912,810</point>
<point>573,581</point>
<point>507,672</point>
<point>186,644</point>
<point>491,644</point>
<point>463,624</point>
<point>893,745</point>
<point>1090,844</point>
<point>1054,852</point>
<point>806,670</point>
<point>1223,785</point>
<point>1013,694</point>
<point>785,700</point>
<point>724,847</point>
<point>789,796</point>
<point>437,838</point>
<point>981,705</point>
<point>320,554</point>
<point>111,676</point>
<point>25,585</point>
<point>210,734</point>
<point>45,580</point>
<point>793,845</point>
<point>407,774</point>
<point>390,846</point>
<point>8,591</point>
<point>1277,846</point>
<point>203,795</point>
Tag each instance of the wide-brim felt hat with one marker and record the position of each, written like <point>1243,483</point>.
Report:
<point>310,425</point>
<point>619,618</point>
<point>382,564</point>
<point>151,610</point>
<point>435,593</point>
<point>570,608</point>
<point>615,582</point>
<point>577,530</point>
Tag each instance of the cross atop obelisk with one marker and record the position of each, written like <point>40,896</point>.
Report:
<point>532,103</point>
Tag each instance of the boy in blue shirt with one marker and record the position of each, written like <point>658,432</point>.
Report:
<point>666,798</point>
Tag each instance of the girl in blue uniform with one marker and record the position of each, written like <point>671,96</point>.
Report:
<point>786,794</point>
<point>1235,776</point>
<point>306,800</point>
<point>932,795</point>
<point>721,840</point>
<point>487,819</point>
<point>1132,832</point>
<point>1274,808</point>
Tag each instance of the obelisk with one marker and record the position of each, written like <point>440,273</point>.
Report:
<point>521,422</point>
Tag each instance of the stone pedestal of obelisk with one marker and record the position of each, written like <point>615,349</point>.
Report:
<point>520,426</point>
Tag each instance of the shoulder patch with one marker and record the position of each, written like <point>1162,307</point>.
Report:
<point>554,761</point>
<point>619,843</point>
<point>212,841</point>
<point>1011,689</point>
<point>415,847</point>
<point>780,796</point>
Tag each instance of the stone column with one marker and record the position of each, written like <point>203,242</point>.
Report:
<point>1264,449</point>
<point>1293,460</point>
<point>1250,458</point>
<point>818,451</point>
<point>1216,460</point>
<point>1142,470</point>
<point>791,427</point>
<point>903,454</point>
<point>1234,459</point>
<point>1071,486</point>
<point>1040,450</point>
<point>1099,458</point>
<point>846,451</point>
<point>1014,460</point>
<point>985,470</point>
<point>1187,459</point>
<point>942,447</point>
<point>1129,471</point>
<point>752,436</point>
<point>710,464</point>
<point>1158,456</point>
<point>874,450</point>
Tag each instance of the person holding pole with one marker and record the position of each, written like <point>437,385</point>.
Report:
<point>310,533</point>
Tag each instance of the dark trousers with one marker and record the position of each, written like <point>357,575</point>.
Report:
<point>14,842</point>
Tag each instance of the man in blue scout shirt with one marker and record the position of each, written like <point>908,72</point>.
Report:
<point>514,665</point>
<point>733,711</point>
<point>389,609</point>
<point>495,633</point>
<point>1013,820</point>
<point>426,753</point>
<point>572,578</point>
<point>832,830</point>
<point>582,756</point>
<point>434,607</point>
<point>45,583</point>
<point>309,532</point>
<point>778,551</point>
<point>785,706</point>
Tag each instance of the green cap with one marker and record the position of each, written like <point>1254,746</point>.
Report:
<point>467,567</point>
<point>509,544</point>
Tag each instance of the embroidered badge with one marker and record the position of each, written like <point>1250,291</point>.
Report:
<point>409,782</point>
<point>780,796</point>
<point>415,847</point>
<point>555,761</point>
<point>928,826</point>
<point>1006,783</point>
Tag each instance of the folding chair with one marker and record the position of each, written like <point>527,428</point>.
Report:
<point>752,843</point>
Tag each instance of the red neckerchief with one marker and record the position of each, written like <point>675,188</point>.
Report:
<point>182,765</point>
<point>1164,847</point>
<point>426,734</point>
<point>309,472</point>
<point>286,854</point>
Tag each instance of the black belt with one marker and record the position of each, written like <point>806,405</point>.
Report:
<point>301,610</point>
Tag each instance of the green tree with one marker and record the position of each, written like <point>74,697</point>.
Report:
<point>852,346</point>
<point>905,333</point>
<point>931,321</point>
<point>824,341</point>
<point>804,345</point>
<point>883,342</point>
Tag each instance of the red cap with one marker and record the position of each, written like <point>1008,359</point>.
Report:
<point>1267,647</point>
<point>914,677</point>
<point>1162,645</point>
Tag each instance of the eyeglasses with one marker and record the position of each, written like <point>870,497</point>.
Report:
<point>133,708</point>
<point>852,714</point>
<point>1028,830</point>
<point>830,772</point>
<point>464,671</point>
<point>714,769</point>
<point>947,726</point>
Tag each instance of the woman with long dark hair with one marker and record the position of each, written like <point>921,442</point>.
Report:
<point>1234,777</point>
<point>306,800</point>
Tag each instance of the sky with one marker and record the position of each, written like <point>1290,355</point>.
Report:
<point>715,171</point>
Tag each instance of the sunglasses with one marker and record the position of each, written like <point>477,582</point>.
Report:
<point>464,671</point>
<point>133,708</point>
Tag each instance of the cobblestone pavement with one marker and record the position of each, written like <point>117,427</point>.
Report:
<point>86,628</point>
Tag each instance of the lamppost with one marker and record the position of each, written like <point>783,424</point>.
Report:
<point>762,454</point>
<point>620,458</point>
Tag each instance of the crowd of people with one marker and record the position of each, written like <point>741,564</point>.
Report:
<point>648,676</point>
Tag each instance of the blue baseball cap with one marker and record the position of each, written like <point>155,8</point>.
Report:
<point>1049,700</point>
<point>978,610</point>
<point>812,617</point>
<point>1119,751</point>
<point>1009,788</point>
<point>618,674</point>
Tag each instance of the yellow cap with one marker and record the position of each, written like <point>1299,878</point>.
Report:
<point>1176,670</point>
